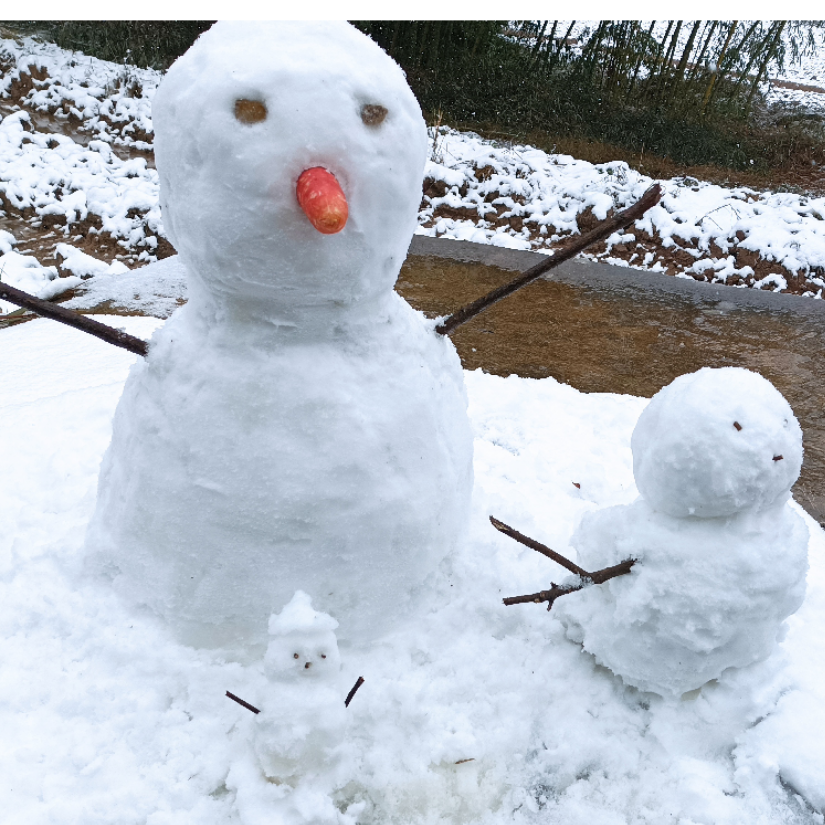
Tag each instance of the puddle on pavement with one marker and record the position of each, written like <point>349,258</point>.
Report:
<point>623,341</point>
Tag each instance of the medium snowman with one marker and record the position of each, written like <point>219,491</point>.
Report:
<point>295,426</point>
<point>721,552</point>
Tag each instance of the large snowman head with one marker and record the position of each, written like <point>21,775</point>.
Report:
<point>716,442</point>
<point>241,116</point>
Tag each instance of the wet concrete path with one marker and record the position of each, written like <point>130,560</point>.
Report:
<point>602,328</point>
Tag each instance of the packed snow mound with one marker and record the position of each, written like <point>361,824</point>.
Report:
<point>716,442</point>
<point>296,426</point>
<point>721,556</point>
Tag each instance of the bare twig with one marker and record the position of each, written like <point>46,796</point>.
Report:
<point>557,590</point>
<point>73,319</point>
<point>541,548</point>
<point>242,703</point>
<point>353,691</point>
<point>549,596</point>
<point>604,230</point>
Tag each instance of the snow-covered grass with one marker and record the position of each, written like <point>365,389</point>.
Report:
<point>523,198</point>
<point>89,186</point>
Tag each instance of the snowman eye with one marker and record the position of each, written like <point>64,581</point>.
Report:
<point>250,111</point>
<point>372,114</point>
<point>737,425</point>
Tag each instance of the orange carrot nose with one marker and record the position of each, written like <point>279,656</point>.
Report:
<point>322,199</point>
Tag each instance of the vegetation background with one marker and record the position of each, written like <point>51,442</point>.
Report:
<point>669,98</point>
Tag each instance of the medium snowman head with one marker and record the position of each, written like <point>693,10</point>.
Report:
<point>716,442</point>
<point>242,116</point>
<point>302,642</point>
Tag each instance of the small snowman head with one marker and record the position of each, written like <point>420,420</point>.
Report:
<point>716,442</point>
<point>302,642</point>
<point>255,124</point>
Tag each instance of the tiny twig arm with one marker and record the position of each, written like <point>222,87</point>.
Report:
<point>241,702</point>
<point>558,590</point>
<point>604,230</point>
<point>354,690</point>
<point>541,548</point>
<point>73,319</point>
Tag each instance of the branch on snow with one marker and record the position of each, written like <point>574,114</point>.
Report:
<point>599,233</point>
<point>557,590</point>
<point>73,319</point>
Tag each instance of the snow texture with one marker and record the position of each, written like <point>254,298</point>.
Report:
<point>296,426</point>
<point>716,442</point>
<point>721,556</point>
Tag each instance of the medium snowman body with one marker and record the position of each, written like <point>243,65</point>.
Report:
<point>296,425</point>
<point>705,594</point>
<point>721,553</point>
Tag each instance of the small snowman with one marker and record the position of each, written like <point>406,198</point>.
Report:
<point>721,553</point>
<point>296,425</point>
<point>303,717</point>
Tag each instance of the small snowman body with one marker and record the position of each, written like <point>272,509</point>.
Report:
<point>303,716</point>
<point>297,425</point>
<point>721,554</point>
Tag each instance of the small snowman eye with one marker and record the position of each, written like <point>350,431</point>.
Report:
<point>295,656</point>
<point>737,425</point>
<point>250,111</point>
<point>323,655</point>
<point>373,114</point>
<point>778,458</point>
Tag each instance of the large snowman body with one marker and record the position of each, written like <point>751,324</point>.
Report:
<point>296,425</point>
<point>721,553</point>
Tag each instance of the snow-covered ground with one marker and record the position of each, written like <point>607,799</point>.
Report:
<point>475,713</point>
<point>76,173</point>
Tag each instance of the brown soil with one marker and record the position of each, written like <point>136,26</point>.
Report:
<point>40,237</point>
<point>598,341</point>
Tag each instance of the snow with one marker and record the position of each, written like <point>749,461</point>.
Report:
<point>27,273</point>
<point>109,719</point>
<point>471,712</point>
<point>551,191</point>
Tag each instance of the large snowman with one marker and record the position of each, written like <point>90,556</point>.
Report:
<point>296,425</point>
<point>721,553</point>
